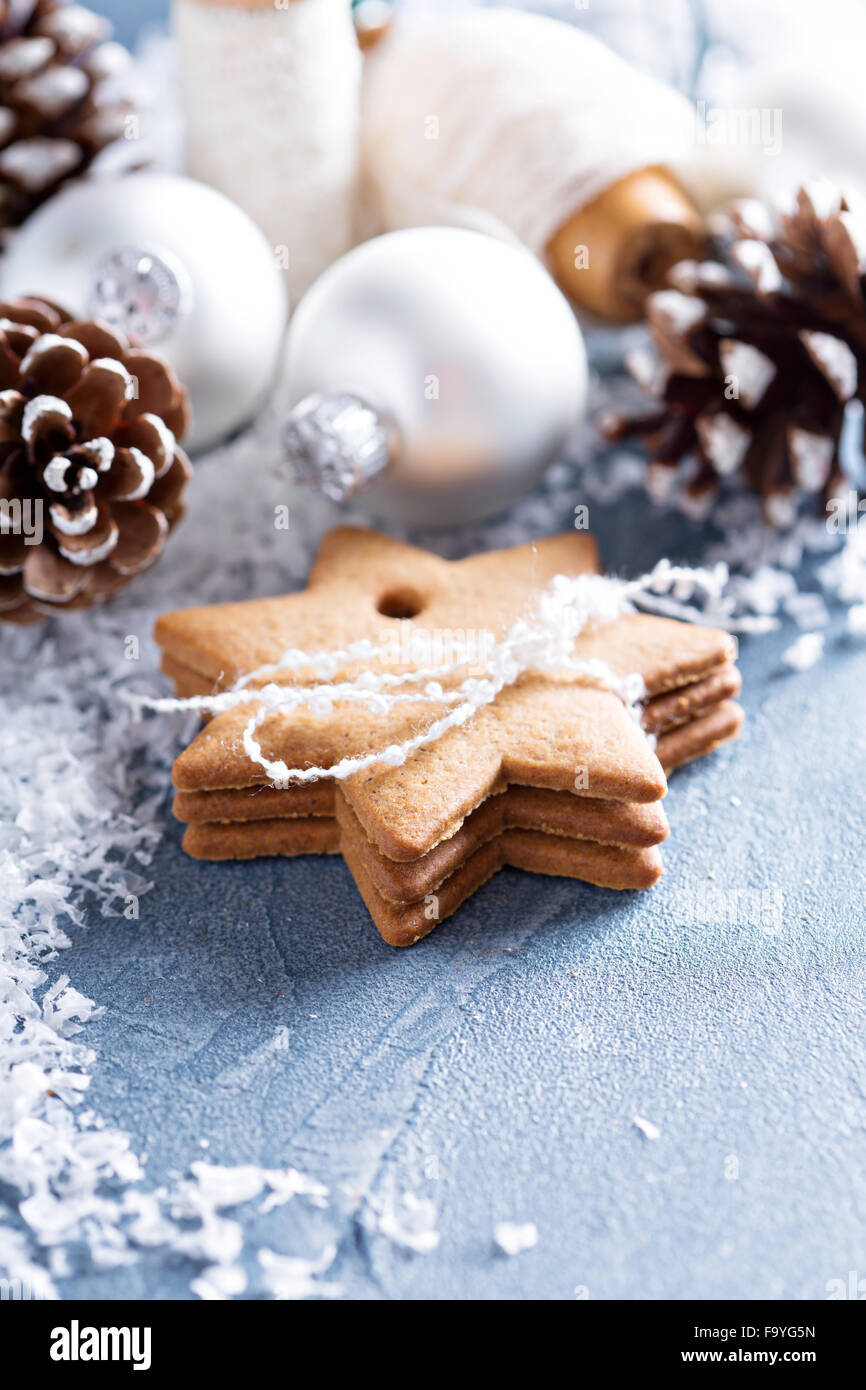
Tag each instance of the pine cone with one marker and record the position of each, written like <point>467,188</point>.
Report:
<point>59,103</point>
<point>759,350</point>
<point>91,478</point>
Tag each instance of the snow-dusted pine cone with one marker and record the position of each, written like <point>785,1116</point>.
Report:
<point>91,476</point>
<point>62,102</point>
<point>758,351</point>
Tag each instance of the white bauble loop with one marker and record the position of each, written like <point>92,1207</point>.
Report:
<point>211,301</point>
<point>458,345</point>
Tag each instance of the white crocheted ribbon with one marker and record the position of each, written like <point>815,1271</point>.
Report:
<point>542,641</point>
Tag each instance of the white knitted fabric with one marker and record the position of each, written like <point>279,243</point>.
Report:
<point>271,98</point>
<point>509,122</point>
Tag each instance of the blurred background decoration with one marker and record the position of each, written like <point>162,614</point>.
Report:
<point>794,54</point>
<point>271,101</point>
<point>603,145</point>
<point>68,103</point>
<point>776,84</point>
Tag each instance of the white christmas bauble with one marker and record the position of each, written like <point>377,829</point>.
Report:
<point>433,373</point>
<point>180,269</point>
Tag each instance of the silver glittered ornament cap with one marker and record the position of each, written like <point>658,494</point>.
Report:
<point>141,291</point>
<point>337,443</point>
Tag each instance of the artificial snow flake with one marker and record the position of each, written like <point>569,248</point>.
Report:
<point>513,1238</point>
<point>227,1187</point>
<point>805,653</point>
<point>219,1282</point>
<point>725,442</point>
<point>410,1222</point>
<point>857,619</point>
<point>811,458</point>
<point>835,359</point>
<point>286,1185</point>
<point>752,369</point>
<point>646,1127</point>
<point>757,261</point>
<point>291,1277</point>
<point>808,610</point>
<point>678,312</point>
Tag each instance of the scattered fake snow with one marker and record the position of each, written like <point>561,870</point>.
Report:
<point>83,803</point>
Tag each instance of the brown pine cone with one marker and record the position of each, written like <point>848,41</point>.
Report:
<point>59,104</point>
<point>91,477</point>
<point>759,349</point>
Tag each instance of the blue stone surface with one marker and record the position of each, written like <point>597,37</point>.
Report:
<point>498,1067</point>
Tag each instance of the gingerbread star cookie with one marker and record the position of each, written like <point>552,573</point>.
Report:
<point>554,775</point>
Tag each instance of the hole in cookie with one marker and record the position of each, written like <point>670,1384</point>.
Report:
<point>400,603</point>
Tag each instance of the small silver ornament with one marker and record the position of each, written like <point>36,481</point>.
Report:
<point>337,443</point>
<point>432,375</point>
<point>141,292</point>
<point>179,269</point>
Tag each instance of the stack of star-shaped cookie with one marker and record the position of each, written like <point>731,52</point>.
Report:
<point>554,776</point>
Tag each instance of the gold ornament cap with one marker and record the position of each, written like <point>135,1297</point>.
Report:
<point>615,251</point>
